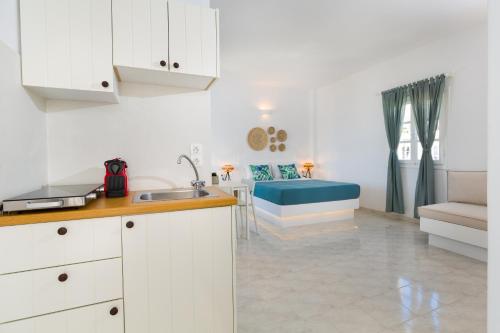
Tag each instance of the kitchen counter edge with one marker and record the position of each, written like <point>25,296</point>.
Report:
<point>110,207</point>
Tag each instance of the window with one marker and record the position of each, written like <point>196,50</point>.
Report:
<point>410,149</point>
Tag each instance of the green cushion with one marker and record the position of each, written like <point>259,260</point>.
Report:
<point>261,172</point>
<point>289,171</point>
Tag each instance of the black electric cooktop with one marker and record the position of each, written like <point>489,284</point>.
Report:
<point>58,191</point>
<point>53,196</point>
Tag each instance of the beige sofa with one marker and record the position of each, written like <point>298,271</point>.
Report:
<point>460,225</point>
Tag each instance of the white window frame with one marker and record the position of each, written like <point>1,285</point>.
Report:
<point>415,161</point>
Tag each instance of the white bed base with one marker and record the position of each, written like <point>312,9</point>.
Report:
<point>296,215</point>
<point>456,238</point>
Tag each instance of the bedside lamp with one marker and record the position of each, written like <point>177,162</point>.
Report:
<point>308,166</point>
<point>227,168</point>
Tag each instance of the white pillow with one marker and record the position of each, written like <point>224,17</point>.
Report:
<point>276,172</point>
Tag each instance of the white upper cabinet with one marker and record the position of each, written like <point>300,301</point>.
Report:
<point>165,43</point>
<point>67,49</point>
<point>193,39</point>
<point>140,34</point>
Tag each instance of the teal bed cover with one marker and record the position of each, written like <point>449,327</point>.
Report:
<point>296,192</point>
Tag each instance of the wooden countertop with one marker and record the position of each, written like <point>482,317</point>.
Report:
<point>106,207</point>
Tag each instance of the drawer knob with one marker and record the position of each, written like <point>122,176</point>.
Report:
<point>176,65</point>
<point>62,231</point>
<point>163,63</point>
<point>129,224</point>
<point>105,84</point>
<point>113,311</point>
<point>63,277</point>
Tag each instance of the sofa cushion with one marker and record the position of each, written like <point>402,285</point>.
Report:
<point>467,187</point>
<point>468,215</point>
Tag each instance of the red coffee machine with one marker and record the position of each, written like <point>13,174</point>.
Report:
<point>115,181</point>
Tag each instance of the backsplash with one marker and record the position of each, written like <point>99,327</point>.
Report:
<point>149,129</point>
<point>23,161</point>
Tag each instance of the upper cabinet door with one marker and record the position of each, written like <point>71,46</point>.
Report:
<point>89,44</point>
<point>45,42</point>
<point>159,34</point>
<point>140,34</point>
<point>210,41</point>
<point>177,37</point>
<point>67,48</point>
<point>193,39</point>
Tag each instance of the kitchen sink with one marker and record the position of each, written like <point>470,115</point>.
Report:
<point>167,195</point>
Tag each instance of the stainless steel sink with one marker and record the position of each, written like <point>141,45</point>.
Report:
<point>167,195</point>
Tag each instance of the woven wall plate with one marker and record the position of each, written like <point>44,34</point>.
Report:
<point>282,135</point>
<point>257,138</point>
<point>271,130</point>
<point>272,148</point>
<point>282,147</point>
<point>273,140</point>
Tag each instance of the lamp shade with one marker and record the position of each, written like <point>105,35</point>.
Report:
<point>228,168</point>
<point>308,165</point>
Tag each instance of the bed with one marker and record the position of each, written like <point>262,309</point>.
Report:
<point>289,203</point>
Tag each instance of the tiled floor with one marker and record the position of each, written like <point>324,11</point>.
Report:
<point>372,274</point>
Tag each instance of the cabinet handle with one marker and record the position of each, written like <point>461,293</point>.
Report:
<point>129,224</point>
<point>63,277</point>
<point>113,311</point>
<point>62,231</point>
<point>105,84</point>
<point>176,65</point>
<point>163,63</point>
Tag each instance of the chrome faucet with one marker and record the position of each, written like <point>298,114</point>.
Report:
<point>197,184</point>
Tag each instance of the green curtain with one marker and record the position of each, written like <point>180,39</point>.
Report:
<point>393,102</point>
<point>426,97</point>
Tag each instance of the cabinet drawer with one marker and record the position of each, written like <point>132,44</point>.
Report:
<point>42,245</point>
<point>100,318</point>
<point>43,291</point>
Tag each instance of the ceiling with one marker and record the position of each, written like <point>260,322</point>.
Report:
<point>313,42</point>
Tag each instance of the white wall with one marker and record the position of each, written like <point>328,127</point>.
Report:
<point>9,23</point>
<point>494,168</point>
<point>350,136</point>
<point>150,128</point>
<point>236,108</point>
<point>23,157</point>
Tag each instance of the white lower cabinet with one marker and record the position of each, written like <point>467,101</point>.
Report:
<point>38,292</point>
<point>99,318</point>
<point>42,245</point>
<point>167,272</point>
<point>178,272</point>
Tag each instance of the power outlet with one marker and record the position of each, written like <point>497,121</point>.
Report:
<point>197,154</point>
